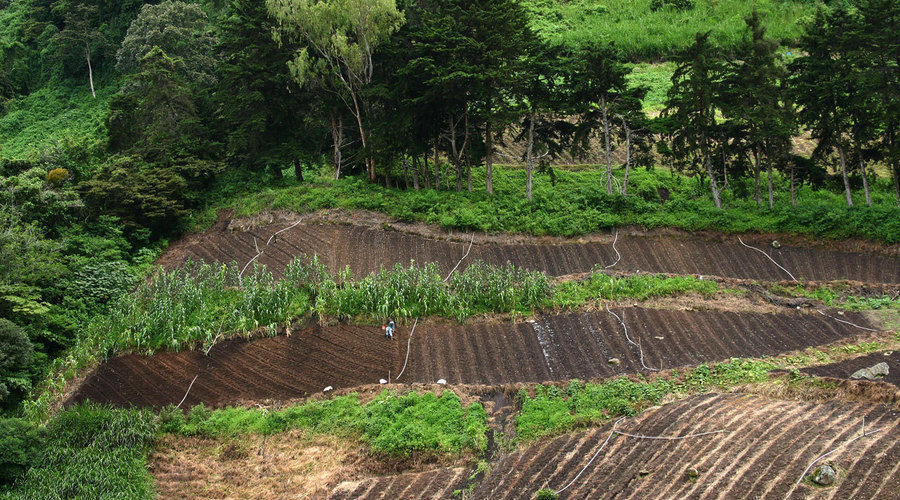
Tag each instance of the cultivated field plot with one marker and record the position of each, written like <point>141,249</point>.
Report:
<point>553,347</point>
<point>366,249</point>
<point>439,483</point>
<point>765,449</point>
<point>844,369</point>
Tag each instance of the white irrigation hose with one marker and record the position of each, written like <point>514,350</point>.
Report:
<point>613,431</point>
<point>260,252</point>
<point>618,255</point>
<point>408,342</point>
<point>769,257</point>
<point>820,457</point>
<point>640,349</point>
<point>283,230</point>
<point>188,392</point>
<point>637,436</point>
<point>847,322</point>
<point>463,258</point>
<point>411,332</point>
<point>673,438</point>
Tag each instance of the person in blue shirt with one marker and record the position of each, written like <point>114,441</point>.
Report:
<point>389,329</point>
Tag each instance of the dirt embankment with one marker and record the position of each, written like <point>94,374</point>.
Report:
<point>367,242</point>
<point>551,348</point>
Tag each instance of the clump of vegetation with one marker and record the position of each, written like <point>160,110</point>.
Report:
<point>835,296</point>
<point>600,286</point>
<point>553,410</point>
<point>392,423</point>
<point>89,452</point>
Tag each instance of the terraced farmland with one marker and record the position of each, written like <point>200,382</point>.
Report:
<point>553,347</point>
<point>759,449</point>
<point>365,249</point>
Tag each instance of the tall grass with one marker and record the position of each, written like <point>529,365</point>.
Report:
<point>599,286</point>
<point>91,452</point>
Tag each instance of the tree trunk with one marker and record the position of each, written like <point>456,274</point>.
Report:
<point>712,181</point>
<point>627,158</point>
<point>298,170</point>
<point>370,162</point>
<point>724,164</point>
<point>337,137</point>
<point>437,167</point>
<point>771,190</point>
<point>87,53</point>
<point>605,108</point>
<point>276,172</point>
<point>847,191</point>
<point>757,172</point>
<point>469,176</point>
<point>865,179</point>
<point>425,172</point>
<point>529,157</point>
<point>415,172</point>
<point>793,186</point>
<point>387,179</point>
<point>489,158</point>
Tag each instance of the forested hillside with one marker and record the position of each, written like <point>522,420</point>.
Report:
<point>125,124</point>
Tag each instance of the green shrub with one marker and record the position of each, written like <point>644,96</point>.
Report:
<point>20,446</point>
<point>15,359</point>
<point>92,452</point>
<point>395,424</point>
<point>546,494</point>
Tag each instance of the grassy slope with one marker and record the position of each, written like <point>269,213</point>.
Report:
<point>642,34</point>
<point>576,204</point>
<point>53,113</point>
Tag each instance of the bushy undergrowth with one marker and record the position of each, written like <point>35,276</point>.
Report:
<point>834,296</point>
<point>89,452</point>
<point>653,29</point>
<point>599,286</point>
<point>570,203</point>
<point>554,410</point>
<point>395,424</point>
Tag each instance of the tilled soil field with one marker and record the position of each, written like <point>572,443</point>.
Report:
<point>844,369</point>
<point>435,484</point>
<point>554,347</point>
<point>766,448</point>
<point>366,249</point>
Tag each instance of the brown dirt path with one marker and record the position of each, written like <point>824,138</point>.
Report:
<point>551,348</point>
<point>366,247</point>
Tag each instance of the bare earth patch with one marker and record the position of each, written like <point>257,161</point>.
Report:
<point>289,465</point>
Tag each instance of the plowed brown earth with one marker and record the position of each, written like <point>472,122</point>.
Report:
<point>435,484</point>
<point>766,448</point>
<point>366,249</point>
<point>554,347</point>
<point>844,369</point>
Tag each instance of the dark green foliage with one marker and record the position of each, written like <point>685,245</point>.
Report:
<point>20,445</point>
<point>155,114</point>
<point>656,5</point>
<point>546,494</point>
<point>256,104</point>
<point>15,358</point>
<point>178,29</point>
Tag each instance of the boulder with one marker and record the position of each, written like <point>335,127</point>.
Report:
<point>872,373</point>
<point>824,475</point>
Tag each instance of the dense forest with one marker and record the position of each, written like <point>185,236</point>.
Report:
<point>122,123</point>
